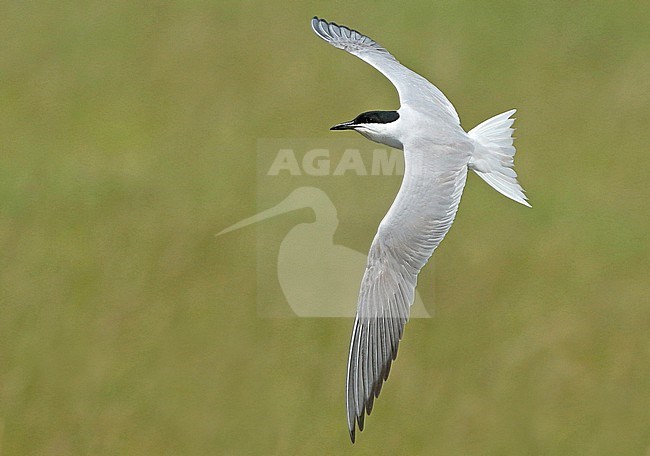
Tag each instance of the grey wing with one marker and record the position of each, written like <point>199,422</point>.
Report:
<point>386,295</point>
<point>413,89</point>
<point>404,243</point>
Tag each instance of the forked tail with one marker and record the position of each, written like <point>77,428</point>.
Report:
<point>494,154</point>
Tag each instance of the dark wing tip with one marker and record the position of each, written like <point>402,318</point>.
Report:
<point>324,29</point>
<point>367,402</point>
<point>341,36</point>
<point>319,26</point>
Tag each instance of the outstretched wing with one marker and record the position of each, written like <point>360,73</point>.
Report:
<point>386,295</point>
<point>414,226</point>
<point>413,89</point>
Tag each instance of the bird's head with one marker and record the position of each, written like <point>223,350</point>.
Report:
<point>378,126</point>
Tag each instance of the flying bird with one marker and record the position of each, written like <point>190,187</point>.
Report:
<point>437,154</point>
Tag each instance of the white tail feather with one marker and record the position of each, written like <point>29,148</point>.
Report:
<point>494,154</point>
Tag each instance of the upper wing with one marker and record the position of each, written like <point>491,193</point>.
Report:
<point>413,89</point>
<point>414,226</point>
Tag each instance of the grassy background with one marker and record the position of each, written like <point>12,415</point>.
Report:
<point>128,137</point>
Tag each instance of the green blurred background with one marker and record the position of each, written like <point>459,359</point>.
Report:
<point>128,135</point>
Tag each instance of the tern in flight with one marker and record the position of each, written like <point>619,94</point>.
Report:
<point>437,154</point>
